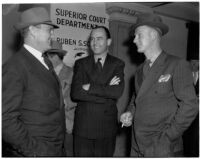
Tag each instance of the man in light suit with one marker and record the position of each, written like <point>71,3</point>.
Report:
<point>65,73</point>
<point>33,120</point>
<point>97,83</point>
<point>164,103</point>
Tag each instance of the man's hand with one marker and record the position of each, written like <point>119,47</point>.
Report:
<point>86,87</point>
<point>114,81</point>
<point>126,119</point>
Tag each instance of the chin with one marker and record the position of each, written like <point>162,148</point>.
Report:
<point>96,52</point>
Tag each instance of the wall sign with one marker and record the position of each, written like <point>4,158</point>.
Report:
<point>76,21</point>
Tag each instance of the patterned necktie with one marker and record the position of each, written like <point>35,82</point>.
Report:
<point>50,65</point>
<point>47,62</point>
<point>99,65</point>
<point>146,68</point>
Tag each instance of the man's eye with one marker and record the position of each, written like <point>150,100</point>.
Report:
<point>99,38</point>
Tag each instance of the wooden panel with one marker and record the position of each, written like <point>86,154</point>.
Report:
<point>123,48</point>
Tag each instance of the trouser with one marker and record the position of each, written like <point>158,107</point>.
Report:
<point>103,147</point>
<point>9,151</point>
<point>191,139</point>
<point>135,153</point>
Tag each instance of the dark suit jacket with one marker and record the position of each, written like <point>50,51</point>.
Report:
<point>164,106</point>
<point>32,107</point>
<point>191,135</point>
<point>96,112</point>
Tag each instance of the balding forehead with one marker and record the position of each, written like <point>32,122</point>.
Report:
<point>147,28</point>
<point>142,29</point>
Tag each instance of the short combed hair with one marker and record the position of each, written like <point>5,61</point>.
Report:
<point>106,30</point>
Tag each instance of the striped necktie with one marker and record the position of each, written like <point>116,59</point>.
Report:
<point>99,65</point>
<point>50,65</point>
<point>146,68</point>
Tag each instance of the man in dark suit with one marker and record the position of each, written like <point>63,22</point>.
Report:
<point>97,83</point>
<point>65,73</point>
<point>33,121</point>
<point>191,135</point>
<point>164,103</point>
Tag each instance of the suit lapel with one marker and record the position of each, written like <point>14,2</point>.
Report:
<point>95,76</point>
<point>37,68</point>
<point>139,77</point>
<point>93,73</point>
<point>153,75</point>
<point>91,68</point>
<point>106,67</point>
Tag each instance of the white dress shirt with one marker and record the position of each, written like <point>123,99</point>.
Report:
<point>103,58</point>
<point>37,54</point>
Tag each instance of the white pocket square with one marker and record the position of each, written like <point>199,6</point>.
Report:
<point>164,78</point>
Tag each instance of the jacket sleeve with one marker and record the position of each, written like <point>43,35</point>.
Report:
<point>77,92</point>
<point>131,106</point>
<point>187,100</point>
<point>107,91</point>
<point>13,130</point>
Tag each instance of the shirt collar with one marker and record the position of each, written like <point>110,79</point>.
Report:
<point>33,51</point>
<point>103,58</point>
<point>37,54</point>
<point>153,59</point>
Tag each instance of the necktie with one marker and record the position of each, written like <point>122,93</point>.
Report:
<point>99,65</point>
<point>50,65</point>
<point>146,68</point>
<point>47,61</point>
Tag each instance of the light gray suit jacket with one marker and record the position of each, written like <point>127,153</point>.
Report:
<point>164,105</point>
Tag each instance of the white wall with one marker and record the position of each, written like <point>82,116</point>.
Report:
<point>175,41</point>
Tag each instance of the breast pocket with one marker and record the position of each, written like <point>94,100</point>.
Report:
<point>164,87</point>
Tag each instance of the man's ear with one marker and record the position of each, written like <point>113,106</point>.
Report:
<point>153,34</point>
<point>32,30</point>
<point>109,41</point>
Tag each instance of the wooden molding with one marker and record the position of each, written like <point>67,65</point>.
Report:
<point>125,12</point>
<point>121,14</point>
<point>116,9</point>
